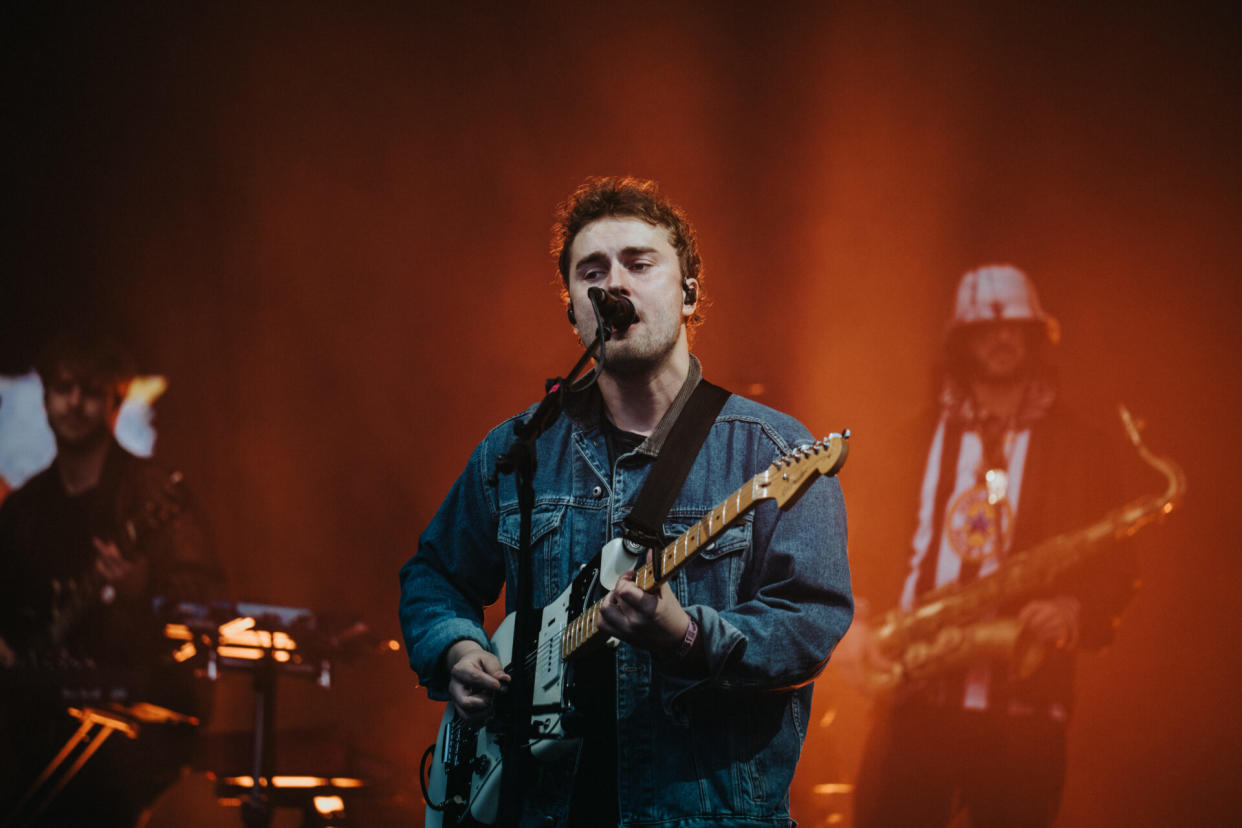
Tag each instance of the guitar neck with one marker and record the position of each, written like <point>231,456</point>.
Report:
<point>584,631</point>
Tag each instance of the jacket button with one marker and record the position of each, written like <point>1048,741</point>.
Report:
<point>597,491</point>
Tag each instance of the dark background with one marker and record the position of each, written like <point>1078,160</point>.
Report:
<point>327,224</point>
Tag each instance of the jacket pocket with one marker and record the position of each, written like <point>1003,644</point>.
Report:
<point>713,576</point>
<point>545,535</point>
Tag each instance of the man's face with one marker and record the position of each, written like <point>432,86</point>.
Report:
<point>630,257</point>
<point>999,351</point>
<point>80,410</point>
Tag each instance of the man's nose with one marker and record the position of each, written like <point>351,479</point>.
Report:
<point>618,279</point>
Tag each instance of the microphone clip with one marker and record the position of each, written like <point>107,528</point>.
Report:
<point>614,312</point>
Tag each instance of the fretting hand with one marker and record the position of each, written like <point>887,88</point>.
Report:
<point>128,578</point>
<point>653,621</point>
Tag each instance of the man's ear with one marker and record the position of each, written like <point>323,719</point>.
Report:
<point>689,295</point>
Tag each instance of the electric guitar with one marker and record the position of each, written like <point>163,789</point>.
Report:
<point>463,783</point>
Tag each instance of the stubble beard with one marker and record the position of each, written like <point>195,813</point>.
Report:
<point>77,441</point>
<point>642,355</point>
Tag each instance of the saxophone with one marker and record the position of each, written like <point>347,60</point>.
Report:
<point>950,627</point>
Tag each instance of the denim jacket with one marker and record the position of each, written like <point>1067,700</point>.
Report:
<point>771,597</point>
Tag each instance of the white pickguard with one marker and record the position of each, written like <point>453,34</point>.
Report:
<point>614,561</point>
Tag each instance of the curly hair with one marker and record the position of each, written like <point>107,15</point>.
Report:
<point>627,197</point>
<point>86,355</point>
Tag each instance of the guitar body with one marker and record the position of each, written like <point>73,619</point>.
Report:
<point>465,768</point>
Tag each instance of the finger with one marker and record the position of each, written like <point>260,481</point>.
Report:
<point>628,592</point>
<point>619,620</point>
<point>106,548</point>
<point>479,661</point>
<point>1048,626</point>
<point>471,707</point>
<point>473,695</point>
<point>631,575</point>
<point>469,695</point>
<point>478,680</point>
<point>613,616</point>
<point>489,662</point>
<point>494,681</point>
<point>1034,615</point>
<point>634,600</point>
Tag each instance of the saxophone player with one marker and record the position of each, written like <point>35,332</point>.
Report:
<point>1003,465</point>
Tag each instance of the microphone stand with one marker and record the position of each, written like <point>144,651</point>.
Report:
<point>516,705</point>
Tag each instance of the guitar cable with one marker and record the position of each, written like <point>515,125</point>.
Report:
<point>422,780</point>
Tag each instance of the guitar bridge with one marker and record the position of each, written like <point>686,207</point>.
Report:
<point>459,744</point>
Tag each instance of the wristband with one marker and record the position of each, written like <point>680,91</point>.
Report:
<point>692,633</point>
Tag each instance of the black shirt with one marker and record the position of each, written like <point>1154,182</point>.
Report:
<point>594,693</point>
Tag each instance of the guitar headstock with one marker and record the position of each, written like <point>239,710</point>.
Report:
<point>790,474</point>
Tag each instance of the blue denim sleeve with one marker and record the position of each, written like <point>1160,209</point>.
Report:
<point>457,570</point>
<point>795,604</point>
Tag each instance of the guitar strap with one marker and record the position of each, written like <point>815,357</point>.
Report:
<point>644,524</point>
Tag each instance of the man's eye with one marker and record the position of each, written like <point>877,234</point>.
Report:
<point>640,266</point>
<point>593,274</point>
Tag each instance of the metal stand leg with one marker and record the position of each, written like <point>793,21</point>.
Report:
<point>91,717</point>
<point>256,808</point>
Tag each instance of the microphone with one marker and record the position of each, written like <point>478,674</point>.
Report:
<point>617,312</point>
